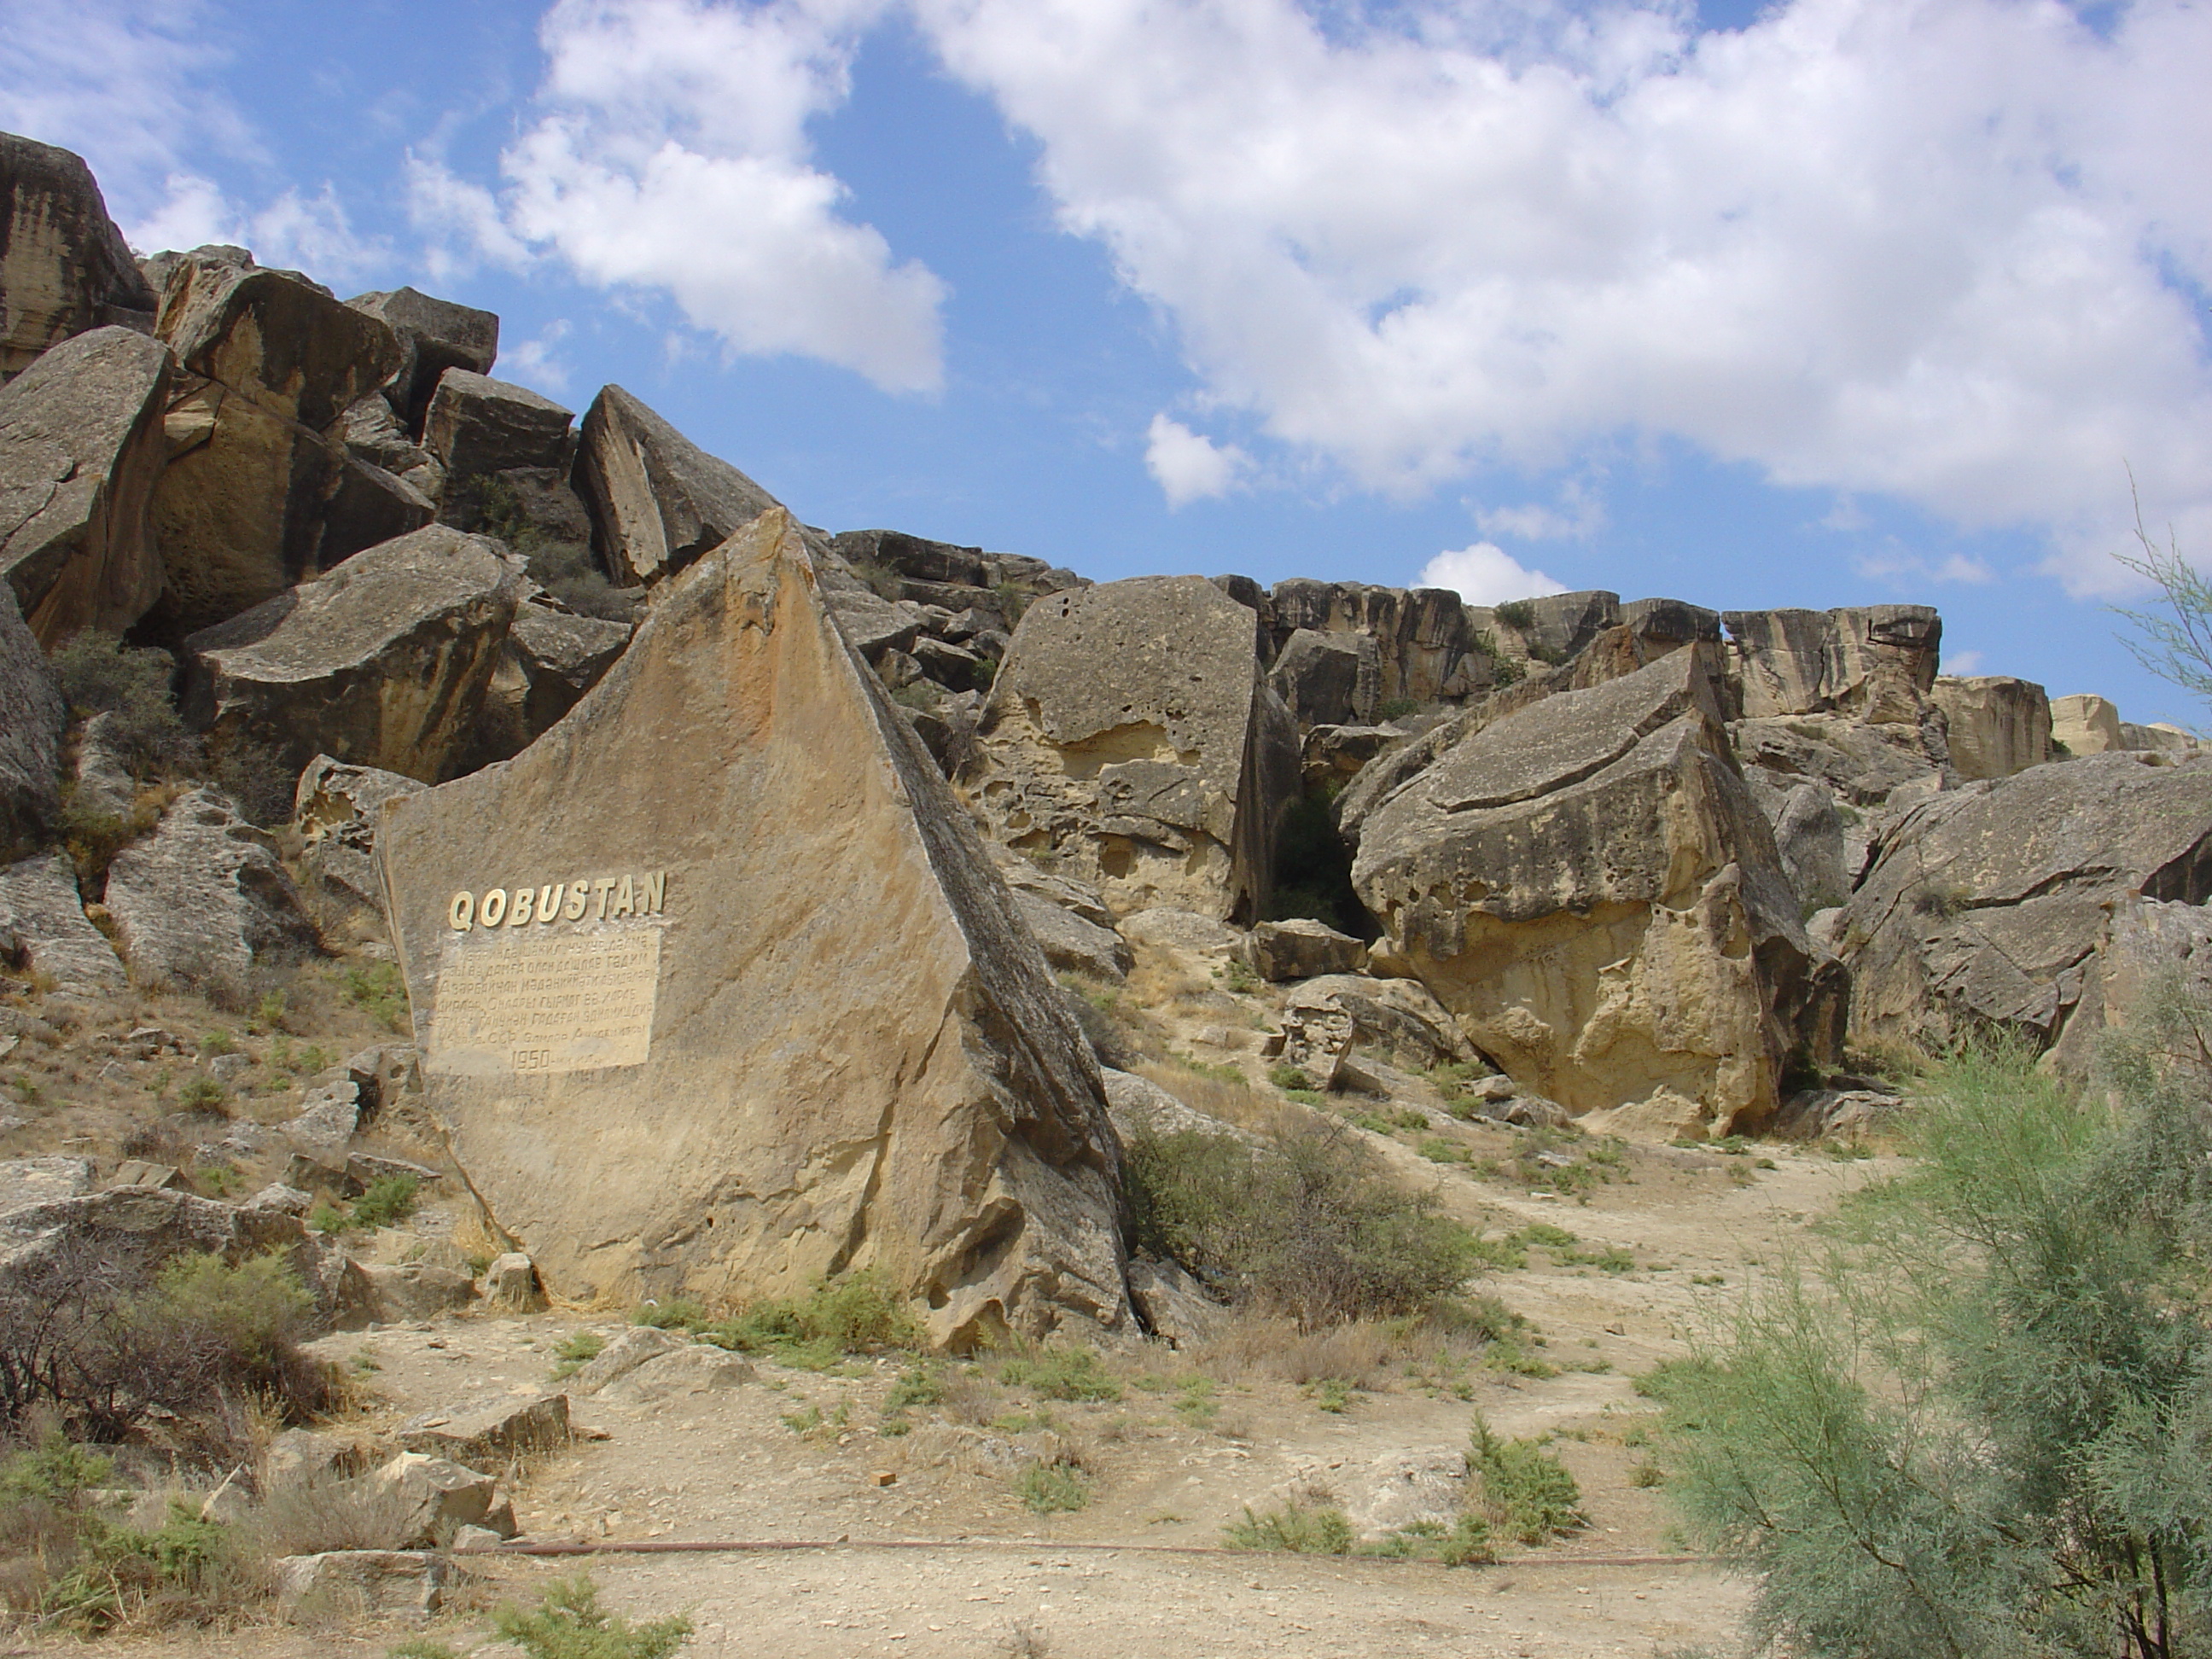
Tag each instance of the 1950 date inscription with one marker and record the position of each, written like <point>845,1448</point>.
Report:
<point>530,1005</point>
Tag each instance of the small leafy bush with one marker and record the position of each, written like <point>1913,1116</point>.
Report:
<point>1526,1493</point>
<point>388,1201</point>
<point>917,1387</point>
<point>568,1622</point>
<point>1061,1374</point>
<point>1515,613</point>
<point>203,1094</point>
<point>378,992</point>
<point>676,1313</point>
<point>1053,1488</point>
<point>1292,1529</point>
<point>98,674</point>
<point>574,1351</point>
<point>859,1314</point>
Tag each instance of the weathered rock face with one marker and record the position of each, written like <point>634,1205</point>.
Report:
<point>203,897</point>
<point>435,335</point>
<point>1875,663</point>
<point>784,1021</point>
<point>1987,904</point>
<point>1130,734</point>
<point>477,425</point>
<point>31,715</point>
<point>1863,770</point>
<point>81,447</point>
<point>43,925</point>
<point>334,812</point>
<point>1424,646</point>
<point>1994,724</point>
<point>2086,725</point>
<point>1304,949</point>
<point>560,658</point>
<point>1587,885</point>
<point>64,268</point>
<point>659,500</point>
<point>261,489</point>
<point>1328,679</point>
<point>383,662</point>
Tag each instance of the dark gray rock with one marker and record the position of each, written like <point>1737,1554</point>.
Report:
<point>435,335</point>
<point>80,448</point>
<point>477,425</point>
<point>31,715</point>
<point>383,662</point>
<point>202,899</point>
<point>561,657</point>
<point>64,268</point>
<point>1070,943</point>
<point>658,500</point>
<point>1327,679</point>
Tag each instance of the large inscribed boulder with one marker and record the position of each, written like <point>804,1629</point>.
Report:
<point>81,447</point>
<point>719,992</point>
<point>1986,905</point>
<point>1131,736</point>
<point>1587,885</point>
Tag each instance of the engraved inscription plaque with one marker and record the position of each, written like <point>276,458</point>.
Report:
<point>572,1002</point>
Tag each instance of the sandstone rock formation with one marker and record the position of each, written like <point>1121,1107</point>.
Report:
<point>1304,949</point>
<point>783,1021</point>
<point>1875,663</point>
<point>1994,724</point>
<point>201,899</point>
<point>43,925</point>
<point>2086,725</point>
<point>1414,646</point>
<point>80,447</point>
<point>434,335</point>
<point>334,813</point>
<point>659,500</point>
<point>383,662</point>
<point>64,268</point>
<point>31,715</point>
<point>1986,905</point>
<point>1131,738</point>
<point>1587,885</point>
<point>477,425</point>
<point>261,490</point>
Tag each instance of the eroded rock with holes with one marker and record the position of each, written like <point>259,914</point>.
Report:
<point>1587,885</point>
<point>1131,739</point>
<point>1986,905</point>
<point>893,1082</point>
<point>334,810</point>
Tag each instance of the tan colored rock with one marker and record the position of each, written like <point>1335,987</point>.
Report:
<point>413,1289</point>
<point>2159,736</point>
<point>439,1495</point>
<point>346,1586</point>
<point>1589,887</point>
<point>43,925</point>
<point>1397,1019</point>
<point>1173,1305</point>
<point>659,500</point>
<point>80,447</point>
<point>1130,737</point>
<point>490,1436</point>
<point>1370,645</point>
<point>27,1181</point>
<point>1875,663</point>
<point>32,719</point>
<point>1990,905</point>
<point>698,1368</point>
<point>511,1286</point>
<point>1070,943</point>
<point>334,811</point>
<point>64,268</point>
<point>1996,725</point>
<point>434,335</point>
<point>810,1034</point>
<point>477,425</point>
<point>383,662</point>
<point>2085,724</point>
<point>624,1353</point>
<point>1302,948</point>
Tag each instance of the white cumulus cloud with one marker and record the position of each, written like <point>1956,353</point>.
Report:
<point>1485,573</point>
<point>670,154</point>
<point>1189,466</point>
<point>1937,249</point>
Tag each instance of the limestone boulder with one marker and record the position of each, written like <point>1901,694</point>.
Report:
<point>1079,898</point>
<point>274,337</point>
<point>1874,663</point>
<point>1994,724</point>
<point>490,1436</point>
<point>659,502</point>
<point>1809,833</point>
<point>1332,755</point>
<point>1398,1019</point>
<point>697,1368</point>
<point>334,812</point>
<point>1131,738</point>
<point>1174,1304</point>
<point>415,1290</point>
<point>25,1181</point>
<point>344,1586</point>
<point>781,1019</point>
<point>1140,1106</point>
<point>438,1496</point>
<point>561,656</point>
<point>434,335</point>
<point>510,1285</point>
<point>1870,772</point>
<point>1302,948</point>
<point>1405,1489</point>
<point>1070,943</point>
<point>128,1233</point>
<point>1589,887</point>
<point>107,769</point>
<point>43,927</point>
<point>64,268</point>
<point>81,449</point>
<point>32,716</point>
<point>1422,644</point>
<point>383,662</point>
<point>1327,679</point>
<point>1550,628</point>
<point>1986,905</point>
<point>623,1354</point>
<point>2086,725</point>
<point>477,426</point>
<point>203,899</point>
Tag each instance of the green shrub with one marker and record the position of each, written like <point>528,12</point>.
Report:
<point>217,1042</point>
<point>203,1094</point>
<point>98,674</point>
<point>568,1622</point>
<point>1515,613</point>
<point>118,1569</point>
<point>1307,1223</point>
<point>1292,1529</point>
<point>915,1387</point>
<point>574,1351</point>
<point>1289,1077</point>
<point>1526,1492</point>
<point>388,1201</point>
<point>1052,1488</point>
<point>677,1313</point>
<point>1470,1543</point>
<point>858,1314</point>
<point>377,991</point>
<point>1061,1374</point>
<point>1397,708</point>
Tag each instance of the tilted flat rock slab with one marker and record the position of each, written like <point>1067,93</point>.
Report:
<point>1130,736</point>
<point>784,1021</point>
<point>1987,904</point>
<point>1589,887</point>
<point>659,500</point>
<point>32,716</point>
<point>383,662</point>
<point>80,447</point>
<point>42,923</point>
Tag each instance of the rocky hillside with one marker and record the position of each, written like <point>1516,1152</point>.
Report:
<point>745,882</point>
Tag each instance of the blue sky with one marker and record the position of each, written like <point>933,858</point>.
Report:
<point>1824,302</point>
